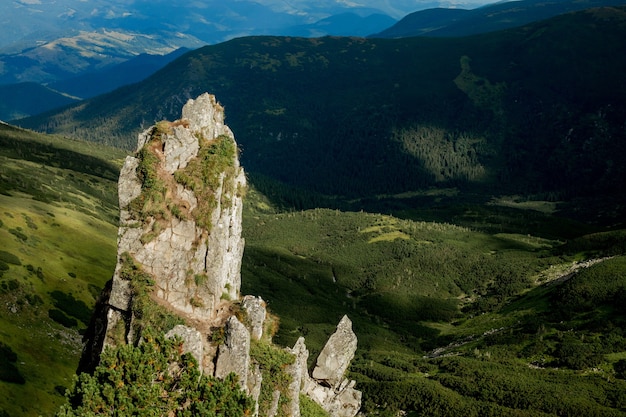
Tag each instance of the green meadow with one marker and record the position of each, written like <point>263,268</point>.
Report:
<point>57,227</point>
<point>463,305</point>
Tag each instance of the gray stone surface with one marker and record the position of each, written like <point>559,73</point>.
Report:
<point>256,313</point>
<point>182,250</point>
<point>234,354</point>
<point>192,341</point>
<point>299,376</point>
<point>180,147</point>
<point>328,387</point>
<point>254,384</point>
<point>335,357</point>
<point>206,116</point>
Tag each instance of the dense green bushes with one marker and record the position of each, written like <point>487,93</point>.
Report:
<point>61,318</point>
<point>8,370</point>
<point>309,408</point>
<point>272,362</point>
<point>153,379</point>
<point>574,353</point>
<point>602,244</point>
<point>517,355</point>
<point>71,306</point>
<point>600,285</point>
<point>470,387</point>
<point>9,258</point>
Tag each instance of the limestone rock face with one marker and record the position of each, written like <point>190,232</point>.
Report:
<point>194,265</point>
<point>335,358</point>
<point>256,313</point>
<point>192,340</point>
<point>234,353</point>
<point>253,385</point>
<point>179,255</point>
<point>180,199</point>
<point>300,380</point>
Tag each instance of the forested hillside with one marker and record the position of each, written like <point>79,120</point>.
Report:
<point>538,110</point>
<point>489,18</point>
<point>26,99</point>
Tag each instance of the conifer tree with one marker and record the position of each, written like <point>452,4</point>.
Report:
<point>153,379</point>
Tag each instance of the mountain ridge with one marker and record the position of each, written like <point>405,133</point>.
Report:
<point>505,98</point>
<point>86,51</point>
<point>212,21</point>
<point>133,70</point>
<point>489,18</point>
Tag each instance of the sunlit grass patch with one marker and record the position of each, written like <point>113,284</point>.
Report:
<point>517,202</point>
<point>65,251</point>
<point>389,237</point>
<point>385,230</point>
<point>62,250</point>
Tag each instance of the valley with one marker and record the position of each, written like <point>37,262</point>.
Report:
<point>461,200</point>
<point>435,305</point>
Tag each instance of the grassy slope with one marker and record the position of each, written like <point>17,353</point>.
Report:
<point>60,224</point>
<point>410,287</point>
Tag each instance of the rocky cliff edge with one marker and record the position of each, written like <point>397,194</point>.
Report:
<point>178,271</point>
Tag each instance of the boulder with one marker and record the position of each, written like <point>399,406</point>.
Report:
<point>335,357</point>
<point>328,386</point>
<point>256,314</point>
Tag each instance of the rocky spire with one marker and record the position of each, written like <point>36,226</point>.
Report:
<point>327,385</point>
<point>180,199</point>
<point>179,260</point>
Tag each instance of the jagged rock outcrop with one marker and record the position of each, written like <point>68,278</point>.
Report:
<point>327,386</point>
<point>179,260</point>
<point>180,200</point>
<point>234,354</point>
<point>256,315</point>
<point>182,248</point>
<point>334,359</point>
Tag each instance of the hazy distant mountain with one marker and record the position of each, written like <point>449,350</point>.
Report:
<point>458,22</point>
<point>86,52</point>
<point>29,21</point>
<point>27,99</point>
<point>100,82</point>
<point>344,24</point>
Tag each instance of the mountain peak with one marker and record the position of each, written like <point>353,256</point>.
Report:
<point>179,239</point>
